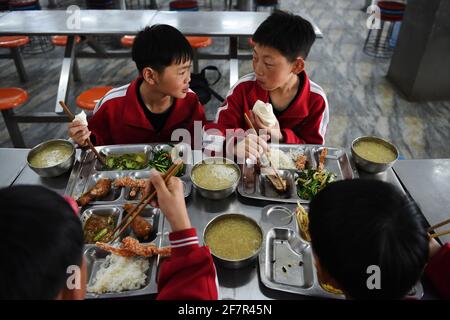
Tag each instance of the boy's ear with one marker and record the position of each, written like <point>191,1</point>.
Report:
<point>150,75</point>
<point>298,66</point>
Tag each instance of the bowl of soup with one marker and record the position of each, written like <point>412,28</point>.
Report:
<point>373,154</point>
<point>234,239</point>
<point>51,158</point>
<point>215,178</point>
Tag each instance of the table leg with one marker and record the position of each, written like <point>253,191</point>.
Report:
<point>234,66</point>
<point>66,72</point>
<point>13,129</point>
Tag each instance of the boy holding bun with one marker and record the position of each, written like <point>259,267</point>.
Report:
<point>278,97</point>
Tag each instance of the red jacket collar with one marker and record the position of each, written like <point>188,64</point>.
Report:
<point>135,116</point>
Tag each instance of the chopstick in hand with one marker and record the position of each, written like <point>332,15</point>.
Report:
<point>132,214</point>
<point>438,234</point>
<point>250,125</point>
<point>88,140</point>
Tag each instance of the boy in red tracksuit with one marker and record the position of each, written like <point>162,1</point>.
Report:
<point>282,43</point>
<point>152,106</point>
<point>40,269</point>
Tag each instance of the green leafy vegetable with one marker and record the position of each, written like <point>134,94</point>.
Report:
<point>127,161</point>
<point>310,182</point>
<point>162,161</point>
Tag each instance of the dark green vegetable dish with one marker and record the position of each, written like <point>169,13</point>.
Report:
<point>310,182</point>
<point>127,161</point>
<point>162,160</point>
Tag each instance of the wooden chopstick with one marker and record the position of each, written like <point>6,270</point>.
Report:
<point>250,124</point>
<point>438,234</point>
<point>88,140</point>
<point>144,202</point>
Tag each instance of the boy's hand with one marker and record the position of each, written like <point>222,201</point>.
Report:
<point>170,200</point>
<point>274,132</point>
<point>251,147</point>
<point>79,133</point>
<point>434,247</point>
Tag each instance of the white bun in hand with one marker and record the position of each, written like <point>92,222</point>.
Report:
<point>81,117</point>
<point>264,111</point>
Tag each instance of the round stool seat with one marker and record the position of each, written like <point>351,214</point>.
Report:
<point>89,98</point>
<point>181,5</point>
<point>12,97</point>
<point>13,41</point>
<point>199,42</point>
<point>62,40</point>
<point>127,41</point>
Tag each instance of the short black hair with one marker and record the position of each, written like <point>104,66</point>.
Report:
<point>358,223</point>
<point>40,236</point>
<point>159,46</point>
<point>290,34</point>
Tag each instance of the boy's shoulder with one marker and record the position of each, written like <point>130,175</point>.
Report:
<point>114,96</point>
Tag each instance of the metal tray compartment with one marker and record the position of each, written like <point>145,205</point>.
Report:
<point>123,149</point>
<point>114,211</point>
<point>336,161</point>
<point>286,263</point>
<point>95,257</point>
<point>151,215</point>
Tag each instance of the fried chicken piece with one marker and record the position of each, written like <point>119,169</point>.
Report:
<point>129,182</point>
<point>131,247</point>
<point>300,162</point>
<point>141,227</point>
<point>100,189</point>
<point>322,157</point>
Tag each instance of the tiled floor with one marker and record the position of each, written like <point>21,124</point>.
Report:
<point>362,101</point>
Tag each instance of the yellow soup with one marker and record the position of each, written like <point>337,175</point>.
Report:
<point>233,238</point>
<point>51,156</point>
<point>374,151</point>
<point>215,176</point>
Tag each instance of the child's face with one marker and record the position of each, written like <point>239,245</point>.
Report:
<point>271,68</point>
<point>174,80</point>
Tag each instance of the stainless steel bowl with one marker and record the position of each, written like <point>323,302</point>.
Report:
<point>55,170</point>
<point>217,193</point>
<point>238,263</point>
<point>371,166</point>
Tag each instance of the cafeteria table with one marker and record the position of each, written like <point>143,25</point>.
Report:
<point>242,283</point>
<point>229,24</point>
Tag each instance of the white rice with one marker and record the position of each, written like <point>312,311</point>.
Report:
<point>280,160</point>
<point>118,274</point>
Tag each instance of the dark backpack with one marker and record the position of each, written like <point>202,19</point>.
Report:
<point>200,85</point>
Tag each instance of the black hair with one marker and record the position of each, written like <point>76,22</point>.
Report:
<point>159,46</point>
<point>358,223</point>
<point>290,34</point>
<point>40,236</point>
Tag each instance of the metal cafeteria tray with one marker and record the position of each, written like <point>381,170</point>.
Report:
<point>256,185</point>
<point>88,170</point>
<point>286,262</point>
<point>95,256</point>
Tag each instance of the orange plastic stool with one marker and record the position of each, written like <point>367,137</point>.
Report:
<point>196,43</point>
<point>61,41</point>
<point>14,43</point>
<point>127,41</point>
<point>11,98</point>
<point>89,98</point>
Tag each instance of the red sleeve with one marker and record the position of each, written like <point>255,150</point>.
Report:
<point>312,129</point>
<point>438,271</point>
<point>197,115</point>
<point>99,127</point>
<point>189,273</point>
